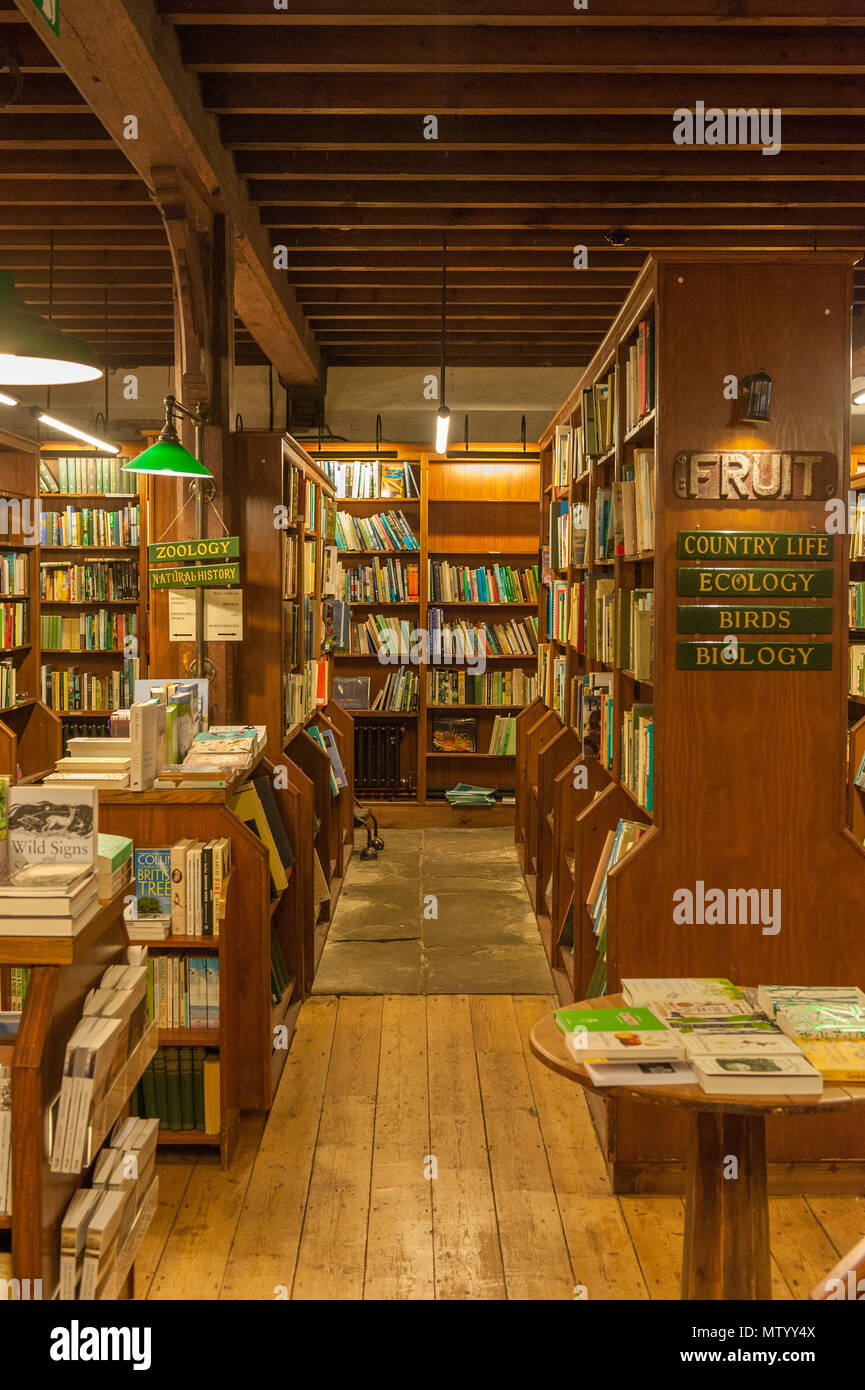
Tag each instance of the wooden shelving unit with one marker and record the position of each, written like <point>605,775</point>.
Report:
<point>63,970</point>
<point>749,773</point>
<point>30,733</point>
<point>96,662</point>
<point>476,510</point>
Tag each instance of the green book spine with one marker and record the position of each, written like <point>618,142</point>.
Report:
<point>187,1089</point>
<point>198,1056</point>
<point>172,1087</point>
<point>161,1089</point>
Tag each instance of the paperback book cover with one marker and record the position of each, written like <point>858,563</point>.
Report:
<point>153,882</point>
<point>47,826</point>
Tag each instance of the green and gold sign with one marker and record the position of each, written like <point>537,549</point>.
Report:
<point>210,548</point>
<point>196,576</point>
<point>734,655</point>
<point>744,618</point>
<point>754,583</point>
<point>755,545</point>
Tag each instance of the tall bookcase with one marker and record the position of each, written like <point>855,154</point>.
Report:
<point>124,567</point>
<point>749,761</point>
<point>475,509</point>
<point>30,734</point>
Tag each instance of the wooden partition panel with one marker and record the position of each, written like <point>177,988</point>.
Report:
<point>750,775</point>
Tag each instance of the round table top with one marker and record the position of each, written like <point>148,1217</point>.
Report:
<point>548,1043</point>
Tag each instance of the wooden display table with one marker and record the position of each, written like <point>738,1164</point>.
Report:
<point>726,1254</point>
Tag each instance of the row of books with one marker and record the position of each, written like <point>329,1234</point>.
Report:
<point>373,479</point>
<point>289,564</point>
<point>551,686</point>
<point>87,475</point>
<point>638,743</point>
<point>503,736</point>
<point>180,1089</point>
<point>592,715</point>
<point>567,455</point>
<point>856,605</point>
<point>113,1023</point>
<point>326,740</point>
<point>857,668</point>
<point>488,584</point>
<point>856,525</point>
<point>63,688</point>
<point>304,690</point>
<point>616,846</point>
<point>557,610</point>
<point>382,581</point>
<point>560,535</point>
<point>103,580</point>
<point>400,691</point>
<point>100,1218</point>
<point>14,573</point>
<point>91,526</point>
<point>183,991</point>
<point>764,1040</point>
<point>381,633</point>
<point>336,625</point>
<point>635,636</point>
<point>600,618</point>
<point>8,684</point>
<point>640,375</point>
<point>634,505</point>
<point>383,531</point>
<point>103,631</point>
<point>179,890</point>
<point>516,687</point>
<point>457,637</point>
<point>14,624</point>
<point>599,415</point>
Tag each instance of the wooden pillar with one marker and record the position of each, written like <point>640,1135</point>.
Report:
<point>201,246</point>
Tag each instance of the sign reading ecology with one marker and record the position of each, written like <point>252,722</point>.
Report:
<point>748,620</point>
<point>218,554</point>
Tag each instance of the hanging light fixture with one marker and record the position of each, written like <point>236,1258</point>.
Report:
<point>167,458</point>
<point>62,428</point>
<point>443,415</point>
<point>35,353</point>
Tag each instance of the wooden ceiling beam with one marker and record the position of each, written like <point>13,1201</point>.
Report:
<point>485,94</point>
<point>549,13</point>
<point>503,132</point>
<point>574,50</point>
<point>564,193</point>
<point>94,278</point>
<point>631,217</point>
<point>539,166</point>
<point>91,297</point>
<point>37,241</point>
<point>123,59</point>
<point>91,164</point>
<point>56,192</point>
<point>66,259</point>
<point>25,215</point>
<point>601,253</point>
<point>373,302</point>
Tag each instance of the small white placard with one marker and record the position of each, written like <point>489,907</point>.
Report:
<point>181,616</point>
<point>223,615</point>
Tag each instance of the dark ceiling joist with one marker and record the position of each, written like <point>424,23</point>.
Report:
<point>811,13</point>
<point>632,217</point>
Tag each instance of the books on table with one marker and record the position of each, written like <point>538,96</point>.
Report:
<point>46,899</point>
<point>641,1073</point>
<point>615,1035</point>
<point>731,1073</point>
<point>835,1059</point>
<point>680,989</point>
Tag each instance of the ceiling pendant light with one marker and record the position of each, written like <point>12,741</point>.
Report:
<point>443,415</point>
<point>167,458</point>
<point>62,428</point>
<point>33,352</point>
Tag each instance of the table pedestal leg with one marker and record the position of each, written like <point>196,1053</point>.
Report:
<point>726,1251</point>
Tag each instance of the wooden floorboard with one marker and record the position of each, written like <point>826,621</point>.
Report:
<point>417,1150</point>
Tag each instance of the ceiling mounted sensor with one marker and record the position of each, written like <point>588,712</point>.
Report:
<point>617,236</point>
<point>35,353</point>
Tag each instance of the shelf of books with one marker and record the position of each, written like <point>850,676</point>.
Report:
<point>661,758</point>
<point>74,1042</point>
<point>438,562</point>
<point>287,528</point>
<point>92,584</point>
<point>30,734</point>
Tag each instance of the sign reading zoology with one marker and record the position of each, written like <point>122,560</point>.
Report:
<point>184,552</point>
<point>755,475</point>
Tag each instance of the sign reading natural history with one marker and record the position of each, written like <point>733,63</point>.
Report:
<point>196,576</point>
<point>760,475</point>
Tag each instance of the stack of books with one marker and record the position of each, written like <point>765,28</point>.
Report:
<point>503,739</point>
<point>99,1218</point>
<point>115,1017</point>
<point>464,794</point>
<point>826,1023</point>
<point>48,881</point>
<point>113,865</point>
<point>97,762</point>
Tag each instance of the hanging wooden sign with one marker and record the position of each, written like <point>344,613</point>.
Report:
<point>208,548</point>
<point>755,475</point>
<point>742,617</point>
<point>741,583</point>
<point>755,545</point>
<point>754,656</point>
<point>196,576</point>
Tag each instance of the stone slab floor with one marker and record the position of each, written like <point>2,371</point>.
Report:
<point>439,912</point>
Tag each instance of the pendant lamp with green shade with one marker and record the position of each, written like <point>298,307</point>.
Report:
<point>34,352</point>
<point>167,458</point>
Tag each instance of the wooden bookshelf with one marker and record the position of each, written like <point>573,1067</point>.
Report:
<point>30,734</point>
<point>477,510</point>
<point>63,971</point>
<point>96,661</point>
<point>751,783</point>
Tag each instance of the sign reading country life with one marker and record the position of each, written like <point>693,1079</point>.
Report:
<point>753,583</point>
<point>755,545</point>
<point>754,656</point>
<point>209,548</point>
<point>196,576</point>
